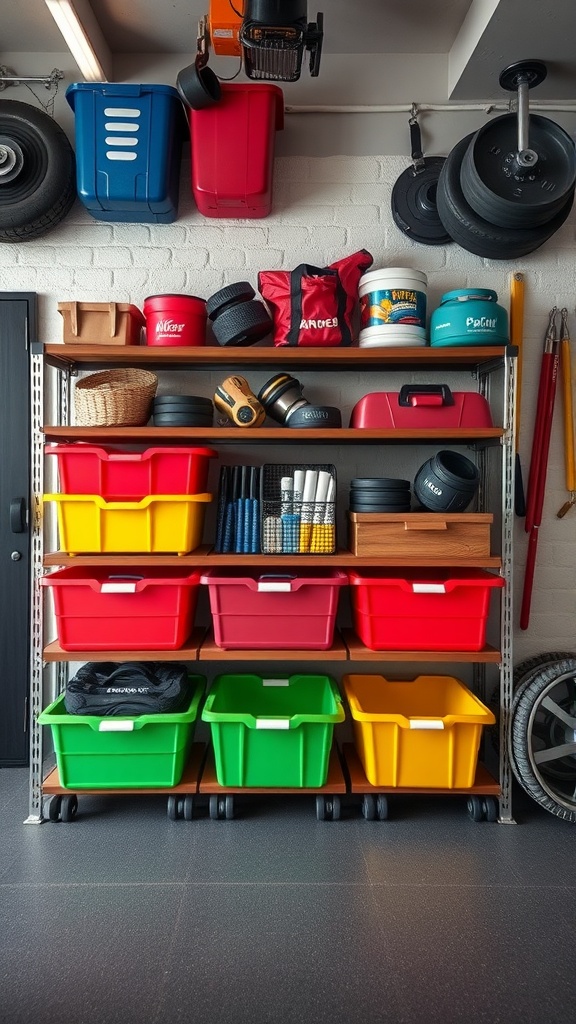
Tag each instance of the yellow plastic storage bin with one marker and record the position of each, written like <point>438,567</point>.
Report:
<point>158,523</point>
<point>421,733</point>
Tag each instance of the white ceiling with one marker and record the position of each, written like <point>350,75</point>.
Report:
<point>477,37</point>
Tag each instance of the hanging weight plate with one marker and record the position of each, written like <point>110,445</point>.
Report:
<point>476,235</point>
<point>494,188</point>
<point>414,203</point>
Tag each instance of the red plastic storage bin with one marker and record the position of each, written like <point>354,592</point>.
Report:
<point>427,610</point>
<point>130,476</point>
<point>233,150</point>
<point>420,406</point>
<point>274,611</point>
<point>110,609</point>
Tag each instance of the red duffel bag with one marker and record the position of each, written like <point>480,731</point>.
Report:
<point>314,306</point>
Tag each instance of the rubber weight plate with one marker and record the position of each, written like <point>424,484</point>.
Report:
<point>505,198</point>
<point>241,291</point>
<point>473,233</point>
<point>414,203</point>
<point>242,324</point>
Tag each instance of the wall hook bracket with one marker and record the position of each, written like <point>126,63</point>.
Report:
<point>9,77</point>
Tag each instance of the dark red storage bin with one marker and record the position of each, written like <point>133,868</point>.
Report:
<point>233,150</point>
<point>130,476</point>
<point>426,610</point>
<point>276,610</point>
<point>112,610</point>
<point>419,406</point>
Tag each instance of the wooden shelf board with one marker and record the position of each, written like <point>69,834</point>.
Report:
<point>484,783</point>
<point>189,652</point>
<point>188,783</point>
<point>204,556</point>
<point>157,357</point>
<point>335,782</point>
<point>358,652</point>
<point>210,652</point>
<point>273,435</point>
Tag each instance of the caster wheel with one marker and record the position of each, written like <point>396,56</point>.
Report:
<point>213,808</point>
<point>490,806</point>
<point>68,807</point>
<point>368,807</point>
<point>382,807</point>
<point>321,808</point>
<point>188,807</point>
<point>229,808</point>
<point>172,808</point>
<point>476,808</point>
<point>333,808</point>
<point>54,808</point>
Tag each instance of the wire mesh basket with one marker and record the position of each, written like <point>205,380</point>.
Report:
<point>115,398</point>
<point>298,509</point>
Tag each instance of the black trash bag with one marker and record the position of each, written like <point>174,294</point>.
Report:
<point>131,688</point>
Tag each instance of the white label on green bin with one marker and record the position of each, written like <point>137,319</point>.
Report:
<point>109,725</point>
<point>272,723</point>
<point>426,723</point>
<point>275,682</point>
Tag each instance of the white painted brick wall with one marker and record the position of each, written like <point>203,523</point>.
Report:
<point>324,208</point>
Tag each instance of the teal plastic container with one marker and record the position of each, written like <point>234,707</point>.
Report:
<point>122,752</point>
<point>469,316</point>
<point>272,732</point>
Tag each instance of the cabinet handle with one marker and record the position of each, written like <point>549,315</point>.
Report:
<point>18,515</point>
<point>439,524</point>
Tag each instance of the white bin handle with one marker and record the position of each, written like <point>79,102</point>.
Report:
<point>426,723</point>
<point>118,588</point>
<point>272,723</point>
<point>109,725</point>
<point>428,588</point>
<point>273,586</point>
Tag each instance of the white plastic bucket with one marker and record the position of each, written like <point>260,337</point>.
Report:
<point>393,303</point>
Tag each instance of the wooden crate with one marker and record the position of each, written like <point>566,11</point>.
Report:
<point>101,323</point>
<point>420,534</point>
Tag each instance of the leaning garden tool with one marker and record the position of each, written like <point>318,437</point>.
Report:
<point>570,460</point>
<point>516,336</point>
<point>539,460</point>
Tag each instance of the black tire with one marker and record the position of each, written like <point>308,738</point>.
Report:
<point>526,667</point>
<point>536,728</point>
<point>473,233</point>
<point>368,807</point>
<point>242,324</point>
<point>68,807</point>
<point>38,183</point>
<point>241,291</point>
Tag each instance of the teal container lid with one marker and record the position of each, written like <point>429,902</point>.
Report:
<point>465,294</point>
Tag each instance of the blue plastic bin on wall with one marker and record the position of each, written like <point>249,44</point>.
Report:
<point>128,149</point>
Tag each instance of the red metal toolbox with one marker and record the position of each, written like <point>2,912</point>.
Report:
<point>110,609</point>
<point>274,611</point>
<point>130,476</point>
<point>420,406</point>
<point>422,610</point>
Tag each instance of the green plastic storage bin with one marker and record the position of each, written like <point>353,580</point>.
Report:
<point>117,752</point>
<point>272,732</point>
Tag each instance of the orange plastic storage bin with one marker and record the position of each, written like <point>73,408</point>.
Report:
<point>420,733</point>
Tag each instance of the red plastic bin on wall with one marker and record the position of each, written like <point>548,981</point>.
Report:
<point>233,150</point>
<point>274,611</point>
<point>428,610</point>
<point>130,476</point>
<point>112,610</point>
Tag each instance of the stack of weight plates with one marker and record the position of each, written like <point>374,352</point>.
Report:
<point>182,411</point>
<point>379,494</point>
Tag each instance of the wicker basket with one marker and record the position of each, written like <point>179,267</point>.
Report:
<point>113,398</point>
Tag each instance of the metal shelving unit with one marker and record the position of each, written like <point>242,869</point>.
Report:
<point>480,362</point>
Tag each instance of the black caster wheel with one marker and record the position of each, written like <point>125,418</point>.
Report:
<point>229,808</point>
<point>333,808</point>
<point>172,808</point>
<point>54,808</point>
<point>382,807</point>
<point>217,807</point>
<point>188,807</point>
<point>475,808</point>
<point>68,807</point>
<point>321,808</point>
<point>368,807</point>
<point>490,806</point>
